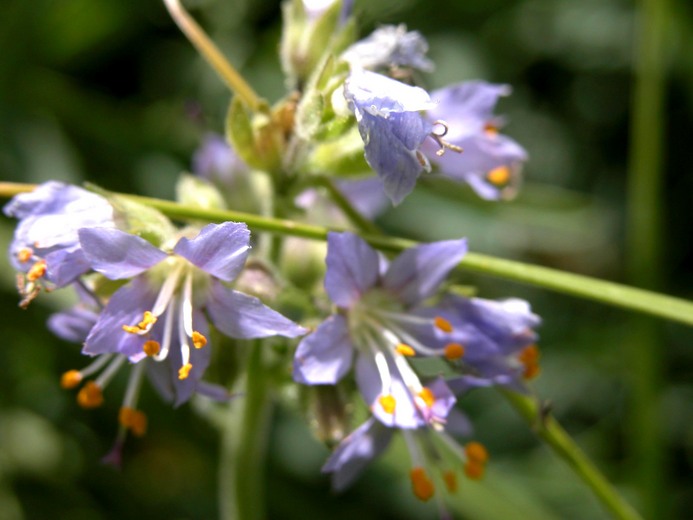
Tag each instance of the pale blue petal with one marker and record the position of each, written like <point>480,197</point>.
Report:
<point>417,273</point>
<point>117,254</point>
<point>356,451</point>
<point>220,249</point>
<point>244,317</point>
<point>352,268</point>
<point>324,356</point>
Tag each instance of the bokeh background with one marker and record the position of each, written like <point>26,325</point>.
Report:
<point>109,91</point>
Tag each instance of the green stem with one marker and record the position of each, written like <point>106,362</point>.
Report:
<point>644,247</point>
<point>565,447</point>
<point>244,442</point>
<point>207,49</point>
<point>609,293</point>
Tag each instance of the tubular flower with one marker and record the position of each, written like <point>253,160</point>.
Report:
<point>489,162</point>
<point>378,320</point>
<point>46,247</point>
<point>392,127</point>
<point>159,313</point>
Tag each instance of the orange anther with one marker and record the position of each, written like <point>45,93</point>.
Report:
<point>529,357</point>
<point>442,324</point>
<point>476,452</point>
<point>24,254</point>
<point>499,176</point>
<point>151,347</point>
<point>70,379</point>
<point>38,270</point>
<point>421,485</point>
<point>450,480</point>
<point>474,470</point>
<point>427,396</point>
<point>454,351</point>
<point>90,396</point>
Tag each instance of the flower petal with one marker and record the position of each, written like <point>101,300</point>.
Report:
<point>416,273</point>
<point>241,316</point>
<point>352,268</point>
<point>220,249</point>
<point>125,307</point>
<point>117,254</point>
<point>72,325</point>
<point>356,451</point>
<point>324,356</point>
<point>64,266</point>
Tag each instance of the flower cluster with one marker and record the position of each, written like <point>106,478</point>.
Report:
<point>152,295</point>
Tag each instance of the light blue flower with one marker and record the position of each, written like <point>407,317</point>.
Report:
<point>391,124</point>
<point>160,311</point>
<point>46,245</point>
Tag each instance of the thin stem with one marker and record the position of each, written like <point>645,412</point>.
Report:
<point>548,428</point>
<point>206,47</point>
<point>361,222</point>
<point>609,293</point>
<point>644,248</point>
<point>244,444</point>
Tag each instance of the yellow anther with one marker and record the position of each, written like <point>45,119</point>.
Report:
<point>442,324</point>
<point>151,347</point>
<point>405,350</point>
<point>427,396</point>
<point>198,339</point>
<point>454,351</point>
<point>184,371</point>
<point>38,270</point>
<point>24,254</point>
<point>476,452</point>
<point>388,403</point>
<point>498,176</point>
<point>133,420</point>
<point>529,357</point>
<point>450,480</point>
<point>90,396</point>
<point>148,319</point>
<point>474,470</point>
<point>70,379</point>
<point>132,329</point>
<point>421,485</point>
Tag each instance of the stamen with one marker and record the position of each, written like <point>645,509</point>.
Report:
<point>490,130</point>
<point>499,176</point>
<point>405,350</point>
<point>422,486</point>
<point>90,396</point>
<point>438,138</point>
<point>184,371</point>
<point>38,270</point>
<point>25,254</point>
<point>144,326</point>
<point>529,357</point>
<point>70,379</point>
<point>388,403</point>
<point>199,340</point>
<point>151,347</point>
<point>454,351</point>
<point>476,452</point>
<point>427,396</point>
<point>450,480</point>
<point>474,470</point>
<point>442,324</point>
<point>133,420</point>
<point>166,339</point>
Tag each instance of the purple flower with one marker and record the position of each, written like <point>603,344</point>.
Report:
<point>217,162</point>
<point>390,46</point>
<point>392,127</point>
<point>161,311</point>
<point>46,245</point>
<point>380,321</point>
<point>489,162</point>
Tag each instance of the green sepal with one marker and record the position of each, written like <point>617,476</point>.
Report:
<point>344,156</point>
<point>258,141</point>
<point>137,219</point>
<point>194,191</point>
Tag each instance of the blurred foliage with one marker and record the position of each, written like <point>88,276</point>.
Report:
<point>109,91</point>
